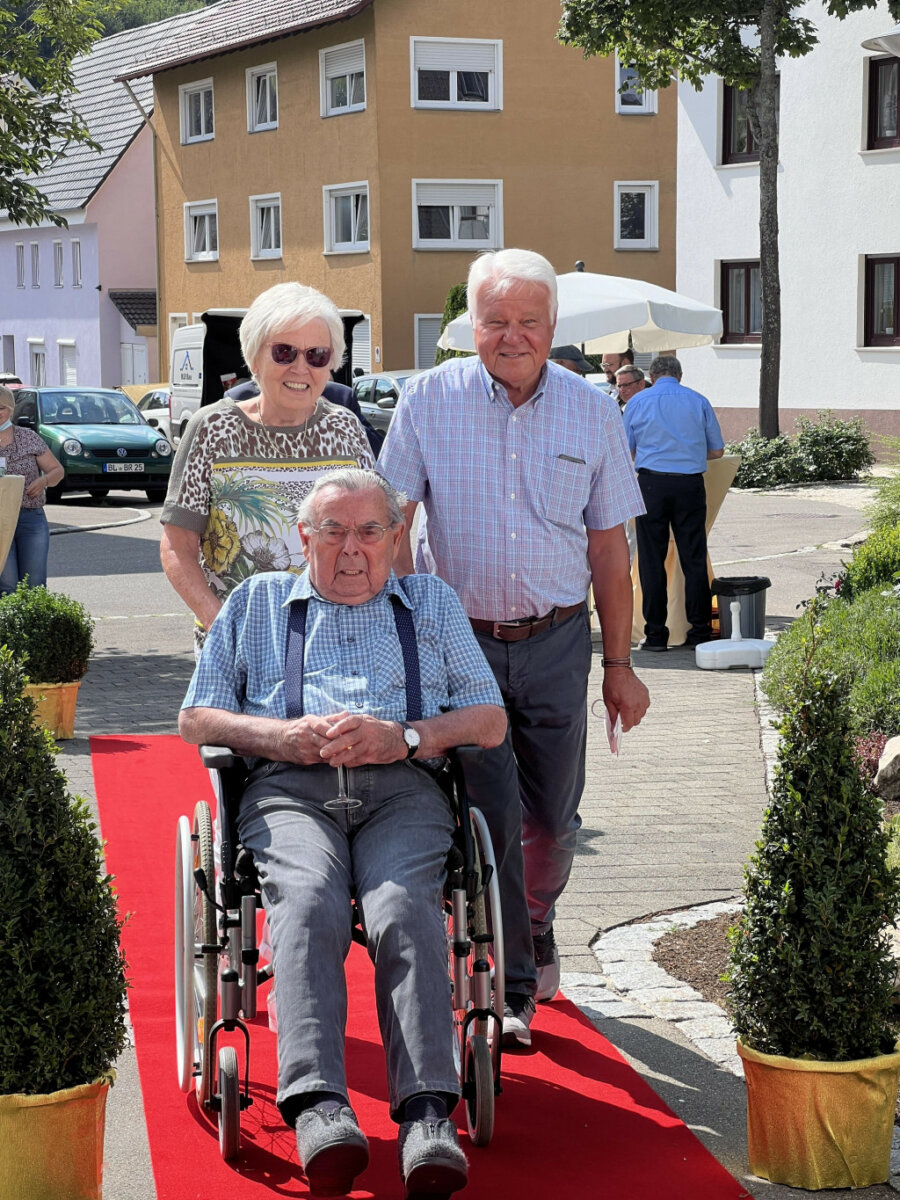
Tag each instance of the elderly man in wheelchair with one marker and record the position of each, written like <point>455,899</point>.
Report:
<point>344,688</point>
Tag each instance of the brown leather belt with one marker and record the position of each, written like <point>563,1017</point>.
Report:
<point>518,631</point>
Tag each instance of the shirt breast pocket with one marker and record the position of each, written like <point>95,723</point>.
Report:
<point>566,490</point>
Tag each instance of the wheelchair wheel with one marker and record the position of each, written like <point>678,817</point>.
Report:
<point>229,1089</point>
<point>479,1090</point>
<point>195,975</point>
<point>493,924</point>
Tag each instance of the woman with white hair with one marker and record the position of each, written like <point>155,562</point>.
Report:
<point>243,466</point>
<point>24,452</point>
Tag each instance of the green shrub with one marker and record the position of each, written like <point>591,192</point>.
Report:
<point>893,850</point>
<point>54,631</point>
<point>827,448</point>
<point>860,644</point>
<point>831,448</point>
<point>884,511</point>
<point>62,975</point>
<point>875,562</point>
<point>810,974</point>
<point>766,462</point>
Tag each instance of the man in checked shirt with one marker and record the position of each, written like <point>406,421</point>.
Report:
<point>527,481</point>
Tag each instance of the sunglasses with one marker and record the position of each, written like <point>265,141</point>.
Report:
<point>284,354</point>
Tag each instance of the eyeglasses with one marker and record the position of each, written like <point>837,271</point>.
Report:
<point>627,383</point>
<point>336,535</point>
<point>284,354</point>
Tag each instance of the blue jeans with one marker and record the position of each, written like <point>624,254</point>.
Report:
<point>391,854</point>
<point>28,552</point>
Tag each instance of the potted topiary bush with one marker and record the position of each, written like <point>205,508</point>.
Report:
<point>56,635</point>
<point>62,975</point>
<point>811,972</point>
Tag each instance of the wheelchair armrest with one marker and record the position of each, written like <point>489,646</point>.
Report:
<point>467,754</point>
<point>217,758</point>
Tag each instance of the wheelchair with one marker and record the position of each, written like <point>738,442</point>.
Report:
<point>217,971</point>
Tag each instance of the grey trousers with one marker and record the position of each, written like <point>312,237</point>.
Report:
<point>391,854</point>
<point>529,788</point>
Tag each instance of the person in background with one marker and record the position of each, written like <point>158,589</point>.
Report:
<point>243,466</point>
<point>24,452</point>
<point>523,514</point>
<point>672,432</point>
<point>629,381</point>
<point>611,364</point>
<point>571,358</point>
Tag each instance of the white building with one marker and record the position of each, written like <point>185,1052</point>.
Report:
<point>839,209</point>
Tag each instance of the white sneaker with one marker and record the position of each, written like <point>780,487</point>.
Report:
<point>517,1013</point>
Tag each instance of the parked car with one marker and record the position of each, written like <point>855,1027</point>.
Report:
<point>378,395</point>
<point>8,380</point>
<point>155,407</point>
<point>99,437</point>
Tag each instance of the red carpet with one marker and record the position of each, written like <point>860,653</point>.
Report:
<point>574,1120</point>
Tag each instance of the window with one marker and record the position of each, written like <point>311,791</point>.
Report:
<point>57,264</point>
<point>176,321</point>
<point>457,214</point>
<point>741,300</point>
<point>427,332</point>
<point>884,129</point>
<point>361,354</point>
<point>68,363</point>
<point>636,216</point>
<point>342,79</point>
<point>38,361</point>
<point>20,264</point>
<point>201,234</point>
<point>76,263</point>
<point>35,265</point>
<point>737,137</point>
<point>882,326</point>
<point>634,98</point>
<point>265,226</point>
<point>462,73</point>
<point>262,98</point>
<point>346,218</point>
<point>196,102</point>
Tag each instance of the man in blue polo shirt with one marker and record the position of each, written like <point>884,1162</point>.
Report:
<point>672,431</point>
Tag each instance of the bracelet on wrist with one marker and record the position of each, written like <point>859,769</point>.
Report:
<point>617,662</point>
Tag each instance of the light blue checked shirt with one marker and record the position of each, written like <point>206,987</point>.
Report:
<point>509,491</point>
<point>352,658</point>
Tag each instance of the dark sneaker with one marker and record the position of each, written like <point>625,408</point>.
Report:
<point>517,1013</point>
<point>333,1149</point>
<point>546,959</point>
<point>696,637</point>
<point>657,646</point>
<point>431,1162</point>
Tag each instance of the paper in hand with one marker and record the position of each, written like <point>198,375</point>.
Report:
<point>613,732</point>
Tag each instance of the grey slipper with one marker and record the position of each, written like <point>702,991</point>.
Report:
<point>333,1150</point>
<point>431,1162</point>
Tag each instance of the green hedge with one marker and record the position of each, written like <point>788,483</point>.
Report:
<point>875,563</point>
<point>859,643</point>
<point>827,448</point>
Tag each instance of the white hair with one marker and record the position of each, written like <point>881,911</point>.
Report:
<point>282,306</point>
<point>7,400</point>
<point>350,479</point>
<point>499,271</point>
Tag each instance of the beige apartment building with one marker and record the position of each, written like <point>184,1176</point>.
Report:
<point>371,148</point>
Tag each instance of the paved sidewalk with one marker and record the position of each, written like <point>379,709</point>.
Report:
<point>667,825</point>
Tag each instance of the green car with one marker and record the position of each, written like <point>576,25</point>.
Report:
<point>99,437</point>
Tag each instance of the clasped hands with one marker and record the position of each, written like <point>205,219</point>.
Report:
<point>353,740</point>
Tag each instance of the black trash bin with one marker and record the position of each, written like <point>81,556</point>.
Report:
<point>750,591</point>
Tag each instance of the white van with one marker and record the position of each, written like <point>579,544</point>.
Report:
<point>206,360</point>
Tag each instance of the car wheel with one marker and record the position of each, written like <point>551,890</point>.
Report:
<point>156,495</point>
<point>54,494</point>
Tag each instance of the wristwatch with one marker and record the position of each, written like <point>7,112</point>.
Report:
<point>411,737</point>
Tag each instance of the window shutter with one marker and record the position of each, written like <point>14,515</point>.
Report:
<point>343,60</point>
<point>362,346</point>
<point>428,330</point>
<point>438,192</point>
<point>455,56</point>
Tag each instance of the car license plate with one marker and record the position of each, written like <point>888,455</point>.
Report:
<point>120,468</point>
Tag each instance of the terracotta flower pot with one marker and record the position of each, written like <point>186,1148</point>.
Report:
<point>814,1124</point>
<point>55,706</point>
<point>53,1145</point>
